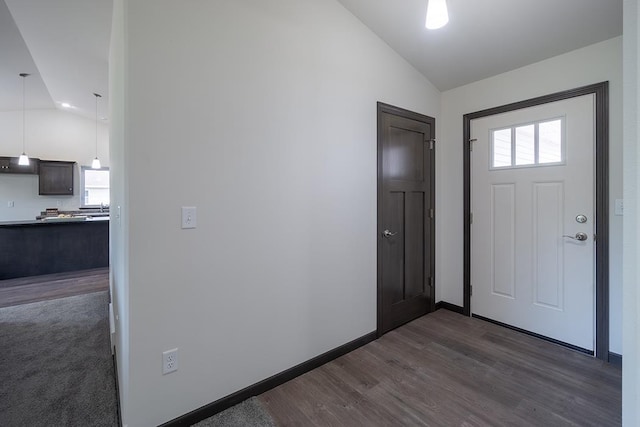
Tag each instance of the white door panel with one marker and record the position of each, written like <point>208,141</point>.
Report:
<point>523,271</point>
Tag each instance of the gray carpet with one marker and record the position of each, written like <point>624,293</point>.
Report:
<point>55,365</point>
<point>56,368</point>
<point>249,413</point>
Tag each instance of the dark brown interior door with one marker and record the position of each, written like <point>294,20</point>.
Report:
<point>406,224</point>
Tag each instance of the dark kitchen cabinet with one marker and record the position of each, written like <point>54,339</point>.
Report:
<point>56,178</point>
<point>33,248</point>
<point>10,165</point>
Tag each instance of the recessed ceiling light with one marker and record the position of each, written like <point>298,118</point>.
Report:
<point>66,105</point>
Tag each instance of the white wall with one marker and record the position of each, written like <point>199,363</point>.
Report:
<point>631,343</point>
<point>263,116</point>
<point>49,135</point>
<point>119,225</point>
<point>592,64</point>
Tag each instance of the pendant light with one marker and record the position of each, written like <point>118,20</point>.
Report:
<point>437,14</point>
<point>23,160</point>
<point>96,162</point>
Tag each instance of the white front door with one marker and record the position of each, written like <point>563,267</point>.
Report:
<point>532,236</point>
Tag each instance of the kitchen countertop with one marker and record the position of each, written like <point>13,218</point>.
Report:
<point>56,221</point>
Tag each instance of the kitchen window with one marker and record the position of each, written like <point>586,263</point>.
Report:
<point>94,186</point>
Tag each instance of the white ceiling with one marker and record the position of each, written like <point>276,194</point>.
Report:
<point>64,44</point>
<point>16,59</point>
<point>487,37</point>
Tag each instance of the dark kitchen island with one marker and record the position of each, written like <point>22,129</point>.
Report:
<point>33,248</point>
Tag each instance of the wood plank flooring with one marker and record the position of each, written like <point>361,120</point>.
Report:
<point>52,286</point>
<point>445,369</point>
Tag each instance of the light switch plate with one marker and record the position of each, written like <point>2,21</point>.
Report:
<point>189,217</point>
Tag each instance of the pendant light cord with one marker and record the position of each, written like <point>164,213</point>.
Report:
<point>96,126</point>
<point>97,96</point>
<point>24,76</point>
<point>23,117</point>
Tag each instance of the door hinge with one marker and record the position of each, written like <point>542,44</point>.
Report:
<point>470,217</point>
<point>470,290</point>
<point>432,213</point>
<point>431,282</point>
<point>471,141</point>
<point>431,142</point>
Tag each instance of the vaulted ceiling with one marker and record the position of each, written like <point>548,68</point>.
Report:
<point>64,44</point>
<point>487,37</point>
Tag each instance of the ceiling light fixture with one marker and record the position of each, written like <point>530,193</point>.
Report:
<point>437,14</point>
<point>96,162</point>
<point>23,160</point>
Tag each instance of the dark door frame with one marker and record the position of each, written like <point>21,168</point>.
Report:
<point>390,109</point>
<point>601,91</point>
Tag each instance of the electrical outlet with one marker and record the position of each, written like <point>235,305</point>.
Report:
<point>169,361</point>
<point>619,207</point>
<point>10,204</point>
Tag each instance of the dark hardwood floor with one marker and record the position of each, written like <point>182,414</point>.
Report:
<point>52,286</point>
<point>445,369</point>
